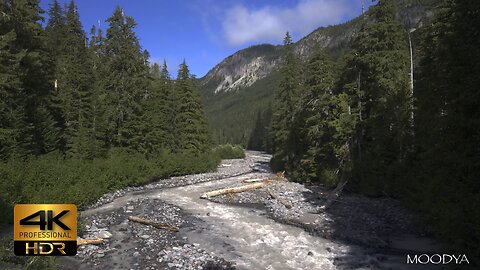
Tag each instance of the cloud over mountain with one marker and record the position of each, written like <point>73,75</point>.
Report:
<point>269,24</point>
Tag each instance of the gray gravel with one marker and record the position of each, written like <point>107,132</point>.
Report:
<point>354,218</point>
<point>354,229</point>
<point>227,168</point>
<point>131,245</point>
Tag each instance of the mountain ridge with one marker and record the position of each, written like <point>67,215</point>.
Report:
<point>249,69</point>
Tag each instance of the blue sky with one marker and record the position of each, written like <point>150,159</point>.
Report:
<point>203,32</point>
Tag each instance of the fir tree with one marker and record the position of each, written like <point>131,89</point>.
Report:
<point>73,81</point>
<point>56,29</point>
<point>316,155</point>
<point>283,122</point>
<point>384,100</point>
<point>38,132</point>
<point>12,117</point>
<point>257,136</point>
<point>447,125</point>
<point>190,123</point>
<point>158,107</point>
<point>169,107</point>
<point>125,84</point>
<point>99,124</point>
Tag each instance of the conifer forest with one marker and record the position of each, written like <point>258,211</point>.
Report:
<point>90,109</point>
<point>84,114</point>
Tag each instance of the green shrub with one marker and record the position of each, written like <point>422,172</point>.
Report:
<point>329,178</point>
<point>9,261</point>
<point>53,179</point>
<point>228,151</point>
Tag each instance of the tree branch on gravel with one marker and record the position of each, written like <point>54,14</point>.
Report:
<point>280,200</point>
<point>83,242</point>
<point>254,180</point>
<point>333,196</point>
<point>153,223</point>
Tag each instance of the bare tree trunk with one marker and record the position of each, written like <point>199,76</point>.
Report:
<point>235,189</point>
<point>334,195</point>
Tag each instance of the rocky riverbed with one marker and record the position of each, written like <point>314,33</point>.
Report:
<point>248,230</point>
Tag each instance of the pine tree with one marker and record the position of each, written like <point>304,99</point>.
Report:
<point>190,123</point>
<point>73,83</point>
<point>315,143</point>
<point>36,128</point>
<point>267,119</point>
<point>283,122</point>
<point>170,107</point>
<point>125,84</point>
<point>155,72</point>
<point>383,138</point>
<point>12,118</point>
<point>56,29</point>
<point>447,125</point>
<point>257,136</point>
<point>99,125</point>
<point>158,107</point>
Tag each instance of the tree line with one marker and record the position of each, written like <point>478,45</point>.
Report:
<point>64,91</point>
<point>82,115</point>
<point>363,119</point>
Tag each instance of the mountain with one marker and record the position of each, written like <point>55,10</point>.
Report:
<point>242,69</point>
<point>243,84</point>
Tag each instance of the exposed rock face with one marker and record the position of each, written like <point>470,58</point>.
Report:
<point>243,68</point>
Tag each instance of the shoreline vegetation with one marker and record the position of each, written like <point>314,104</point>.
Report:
<point>85,114</point>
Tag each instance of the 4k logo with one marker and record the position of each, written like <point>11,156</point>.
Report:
<point>45,229</point>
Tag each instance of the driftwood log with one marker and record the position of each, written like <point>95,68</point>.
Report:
<point>153,223</point>
<point>255,180</point>
<point>280,176</point>
<point>333,196</point>
<point>280,200</point>
<point>83,242</point>
<point>234,189</point>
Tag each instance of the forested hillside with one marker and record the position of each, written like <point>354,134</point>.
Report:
<point>369,121</point>
<point>243,85</point>
<point>81,115</point>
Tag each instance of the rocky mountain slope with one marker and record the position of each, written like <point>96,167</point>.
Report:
<point>242,69</point>
<point>243,84</point>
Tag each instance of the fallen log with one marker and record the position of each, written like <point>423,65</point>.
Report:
<point>332,197</point>
<point>280,200</point>
<point>280,176</point>
<point>83,242</point>
<point>255,180</point>
<point>153,223</point>
<point>234,189</point>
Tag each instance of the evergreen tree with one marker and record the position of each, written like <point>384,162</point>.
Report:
<point>125,83</point>
<point>99,124</point>
<point>384,101</point>
<point>73,80</point>
<point>29,104</point>
<point>283,122</point>
<point>12,117</point>
<point>158,110</point>
<point>155,72</point>
<point>56,29</point>
<point>447,125</point>
<point>190,123</point>
<point>169,107</point>
<point>257,136</point>
<point>326,124</point>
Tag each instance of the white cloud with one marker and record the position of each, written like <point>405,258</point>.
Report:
<point>269,24</point>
